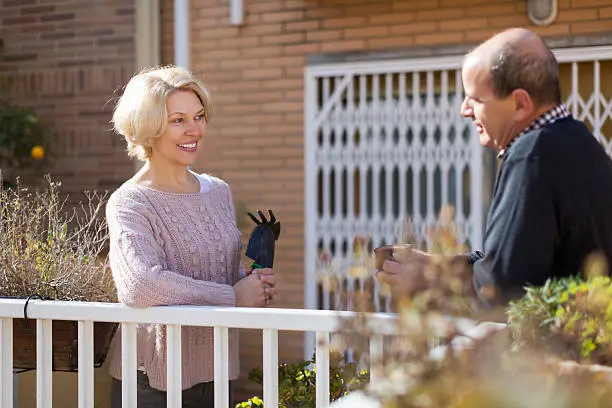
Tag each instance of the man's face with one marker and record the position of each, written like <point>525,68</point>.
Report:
<point>494,118</point>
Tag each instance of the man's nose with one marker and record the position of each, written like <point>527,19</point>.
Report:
<point>466,108</point>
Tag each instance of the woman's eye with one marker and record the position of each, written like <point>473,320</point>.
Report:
<point>199,117</point>
<point>178,120</point>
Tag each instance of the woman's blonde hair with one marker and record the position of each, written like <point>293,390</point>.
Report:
<point>141,114</point>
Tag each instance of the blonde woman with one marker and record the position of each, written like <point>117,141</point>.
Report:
<point>173,236</point>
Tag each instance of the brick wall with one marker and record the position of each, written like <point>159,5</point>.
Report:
<point>255,73</point>
<point>65,59</point>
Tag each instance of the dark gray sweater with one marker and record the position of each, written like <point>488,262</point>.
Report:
<point>551,207</point>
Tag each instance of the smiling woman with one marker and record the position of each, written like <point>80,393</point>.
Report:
<point>173,235</point>
<point>151,100</point>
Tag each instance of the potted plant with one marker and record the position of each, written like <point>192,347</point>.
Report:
<point>52,252</point>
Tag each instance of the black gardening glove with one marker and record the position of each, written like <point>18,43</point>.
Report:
<point>262,241</point>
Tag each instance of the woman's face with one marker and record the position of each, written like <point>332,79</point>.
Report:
<point>181,140</point>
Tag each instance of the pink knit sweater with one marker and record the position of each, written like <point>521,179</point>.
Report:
<point>174,249</point>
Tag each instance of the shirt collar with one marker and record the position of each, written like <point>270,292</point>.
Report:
<point>547,118</point>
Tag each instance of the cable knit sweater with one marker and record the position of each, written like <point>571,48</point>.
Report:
<point>174,249</point>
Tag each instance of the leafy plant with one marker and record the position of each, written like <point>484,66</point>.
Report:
<point>24,139</point>
<point>488,363</point>
<point>297,382</point>
<point>569,317</point>
<point>251,402</point>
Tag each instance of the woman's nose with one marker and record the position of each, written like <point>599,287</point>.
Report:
<point>192,129</point>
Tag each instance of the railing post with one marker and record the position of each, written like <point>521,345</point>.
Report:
<point>175,366</point>
<point>6,358</point>
<point>128,365</point>
<point>322,366</point>
<point>270,368</point>
<point>376,357</point>
<point>221,367</point>
<point>44,363</point>
<point>86,364</point>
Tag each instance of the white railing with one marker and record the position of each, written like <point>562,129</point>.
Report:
<point>271,321</point>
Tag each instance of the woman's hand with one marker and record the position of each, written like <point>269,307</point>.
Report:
<point>250,292</point>
<point>257,289</point>
<point>267,276</point>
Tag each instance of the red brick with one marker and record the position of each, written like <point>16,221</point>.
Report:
<point>568,15</point>
<point>293,38</point>
<point>509,21</point>
<point>413,28</point>
<point>262,52</point>
<point>463,24</point>
<point>327,35</point>
<point>439,38</point>
<point>498,9</point>
<point>305,25</point>
<point>259,7</point>
<point>366,32</point>
<point>389,42</point>
<point>296,61</point>
<point>261,96</point>
<point>239,42</point>
<point>605,12</point>
<point>235,63</point>
<point>301,49</point>
<point>282,16</point>
<point>414,5</point>
<point>262,73</point>
<point>589,3</point>
<point>263,29</point>
<point>394,18</point>
<point>344,22</point>
<point>591,27</point>
<point>437,15</point>
<point>349,45</point>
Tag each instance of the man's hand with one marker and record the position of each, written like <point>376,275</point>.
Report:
<point>404,272</point>
<point>404,279</point>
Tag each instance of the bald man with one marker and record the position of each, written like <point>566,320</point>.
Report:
<point>552,201</point>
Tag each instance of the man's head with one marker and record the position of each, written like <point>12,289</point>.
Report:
<point>509,80</point>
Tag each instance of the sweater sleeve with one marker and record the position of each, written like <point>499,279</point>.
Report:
<point>230,203</point>
<point>521,233</point>
<point>139,269</point>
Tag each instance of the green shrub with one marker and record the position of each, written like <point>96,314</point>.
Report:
<point>570,318</point>
<point>297,382</point>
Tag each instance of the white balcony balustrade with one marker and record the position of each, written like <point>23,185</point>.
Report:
<point>270,321</point>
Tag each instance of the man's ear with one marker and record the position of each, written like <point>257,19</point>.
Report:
<point>523,104</point>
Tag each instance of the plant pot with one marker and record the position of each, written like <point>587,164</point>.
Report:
<point>65,344</point>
